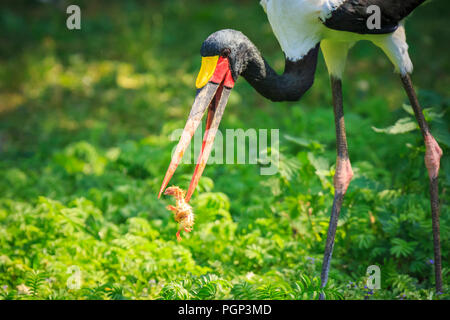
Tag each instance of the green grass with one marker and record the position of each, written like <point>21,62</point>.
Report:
<point>84,140</point>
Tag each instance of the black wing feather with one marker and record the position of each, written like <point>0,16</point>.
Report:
<point>352,15</point>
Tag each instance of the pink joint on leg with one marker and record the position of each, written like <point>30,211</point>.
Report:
<point>432,156</point>
<point>343,175</point>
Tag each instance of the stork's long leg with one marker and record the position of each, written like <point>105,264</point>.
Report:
<point>342,176</point>
<point>432,161</point>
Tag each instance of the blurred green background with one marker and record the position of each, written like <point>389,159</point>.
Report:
<point>86,117</point>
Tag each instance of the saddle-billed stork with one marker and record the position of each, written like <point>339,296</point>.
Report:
<point>302,27</point>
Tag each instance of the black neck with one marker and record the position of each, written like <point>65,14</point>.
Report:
<point>297,78</point>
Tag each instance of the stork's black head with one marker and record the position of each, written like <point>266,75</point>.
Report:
<point>230,44</point>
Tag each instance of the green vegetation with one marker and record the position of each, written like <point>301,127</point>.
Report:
<point>86,118</point>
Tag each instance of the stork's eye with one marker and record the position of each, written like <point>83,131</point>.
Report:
<point>225,52</point>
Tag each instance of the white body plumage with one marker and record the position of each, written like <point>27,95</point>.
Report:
<point>297,24</point>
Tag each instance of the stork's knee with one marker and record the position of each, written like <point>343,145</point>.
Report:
<point>343,175</point>
<point>433,156</point>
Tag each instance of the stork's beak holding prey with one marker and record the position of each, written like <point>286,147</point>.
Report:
<point>214,84</point>
<point>226,55</point>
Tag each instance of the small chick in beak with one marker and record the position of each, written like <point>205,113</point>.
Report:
<point>182,211</point>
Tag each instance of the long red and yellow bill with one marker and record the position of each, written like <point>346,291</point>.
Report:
<point>214,83</point>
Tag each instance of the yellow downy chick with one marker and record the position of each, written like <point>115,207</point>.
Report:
<point>182,211</point>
